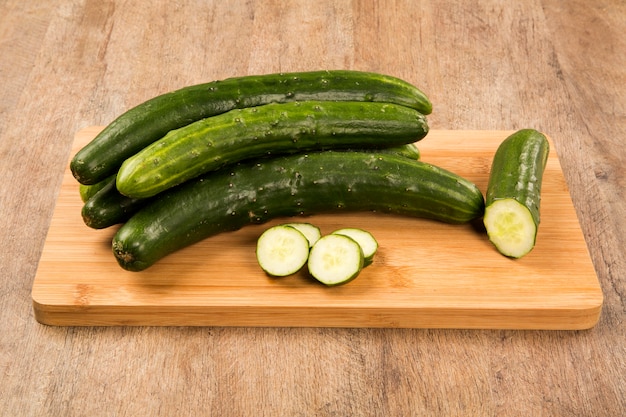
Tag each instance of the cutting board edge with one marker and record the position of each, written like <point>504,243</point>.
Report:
<point>581,317</point>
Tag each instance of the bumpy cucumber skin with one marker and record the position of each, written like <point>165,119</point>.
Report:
<point>111,207</point>
<point>271,129</point>
<point>108,207</point>
<point>296,185</point>
<point>517,170</point>
<point>151,120</point>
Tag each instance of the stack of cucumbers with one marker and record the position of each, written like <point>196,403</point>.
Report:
<point>215,157</point>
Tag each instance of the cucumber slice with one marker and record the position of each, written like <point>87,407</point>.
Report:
<point>282,250</point>
<point>311,232</point>
<point>368,243</point>
<point>335,259</point>
<point>510,227</point>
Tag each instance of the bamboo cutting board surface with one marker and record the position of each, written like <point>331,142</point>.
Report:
<point>425,275</point>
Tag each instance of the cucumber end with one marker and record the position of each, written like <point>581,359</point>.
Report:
<point>510,227</point>
<point>126,259</point>
<point>84,191</point>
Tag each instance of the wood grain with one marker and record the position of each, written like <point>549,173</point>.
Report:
<point>554,65</point>
<point>426,274</point>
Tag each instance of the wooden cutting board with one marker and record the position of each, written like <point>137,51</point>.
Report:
<point>426,274</point>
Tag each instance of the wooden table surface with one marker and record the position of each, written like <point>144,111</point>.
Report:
<point>492,65</point>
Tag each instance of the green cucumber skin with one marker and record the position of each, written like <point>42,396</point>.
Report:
<point>111,207</point>
<point>272,129</point>
<point>517,170</point>
<point>151,120</point>
<point>108,207</point>
<point>88,191</point>
<point>294,185</point>
<point>410,150</point>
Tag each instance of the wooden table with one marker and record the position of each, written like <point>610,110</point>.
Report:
<point>552,65</point>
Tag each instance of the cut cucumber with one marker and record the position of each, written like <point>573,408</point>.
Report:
<point>282,250</point>
<point>511,227</point>
<point>514,192</point>
<point>311,232</point>
<point>335,259</point>
<point>368,243</point>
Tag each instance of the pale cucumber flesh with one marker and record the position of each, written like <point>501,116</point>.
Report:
<point>282,250</point>
<point>335,259</point>
<point>311,232</point>
<point>510,227</point>
<point>368,243</point>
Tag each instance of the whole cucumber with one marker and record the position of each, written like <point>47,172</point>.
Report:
<point>271,129</point>
<point>151,120</point>
<point>293,185</point>
<point>107,208</point>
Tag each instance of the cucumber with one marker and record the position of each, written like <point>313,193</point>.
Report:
<point>108,207</point>
<point>87,191</point>
<point>282,250</point>
<point>368,243</point>
<point>311,232</point>
<point>111,207</point>
<point>271,129</point>
<point>410,150</point>
<point>335,259</point>
<point>293,185</point>
<point>151,120</point>
<point>514,192</point>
